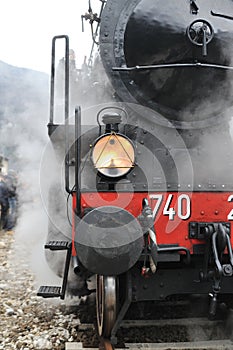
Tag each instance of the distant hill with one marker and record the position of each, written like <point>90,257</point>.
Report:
<point>24,112</point>
<point>20,87</point>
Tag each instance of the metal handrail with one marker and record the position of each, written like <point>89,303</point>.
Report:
<point>66,104</point>
<point>171,65</point>
<point>78,159</point>
<point>52,81</point>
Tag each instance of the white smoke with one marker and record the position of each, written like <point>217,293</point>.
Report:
<point>23,137</point>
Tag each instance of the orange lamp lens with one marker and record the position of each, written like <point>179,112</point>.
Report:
<point>113,155</point>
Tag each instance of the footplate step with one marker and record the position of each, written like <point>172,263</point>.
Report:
<point>57,245</point>
<point>54,291</point>
<point>49,292</point>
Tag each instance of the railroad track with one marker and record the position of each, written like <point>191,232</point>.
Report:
<point>200,334</point>
<point>198,345</point>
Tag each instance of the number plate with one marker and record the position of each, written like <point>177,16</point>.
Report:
<point>180,206</point>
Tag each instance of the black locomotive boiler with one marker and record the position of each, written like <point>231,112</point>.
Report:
<point>151,179</point>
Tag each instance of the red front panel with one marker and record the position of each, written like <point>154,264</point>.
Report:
<point>172,211</point>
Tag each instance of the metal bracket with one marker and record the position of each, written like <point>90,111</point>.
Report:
<point>202,230</point>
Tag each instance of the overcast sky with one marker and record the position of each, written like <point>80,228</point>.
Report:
<point>27,28</point>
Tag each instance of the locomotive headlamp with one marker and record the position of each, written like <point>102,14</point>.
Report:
<point>113,155</point>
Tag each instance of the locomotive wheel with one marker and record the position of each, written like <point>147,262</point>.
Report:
<point>106,304</point>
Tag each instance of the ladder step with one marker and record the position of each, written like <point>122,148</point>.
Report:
<point>54,291</point>
<point>49,291</point>
<point>57,245</point>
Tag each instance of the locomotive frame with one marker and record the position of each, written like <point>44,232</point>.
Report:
<point>183,244</point>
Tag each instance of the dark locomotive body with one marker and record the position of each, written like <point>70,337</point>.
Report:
<point>160,224</point>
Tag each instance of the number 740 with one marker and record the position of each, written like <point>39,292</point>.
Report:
<point>183,210</point>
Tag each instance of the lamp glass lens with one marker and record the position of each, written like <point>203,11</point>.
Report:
<point>113,155</point>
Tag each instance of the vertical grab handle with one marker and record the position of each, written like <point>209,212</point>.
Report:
<point>78,159</point>
<point>52,81</point>
<point>66,104</point>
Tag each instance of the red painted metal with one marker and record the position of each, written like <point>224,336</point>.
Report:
<point>204,207</point>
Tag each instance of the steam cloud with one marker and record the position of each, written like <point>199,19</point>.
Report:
<point>23,136</point>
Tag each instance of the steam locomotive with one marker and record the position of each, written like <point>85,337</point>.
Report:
<point>149,166</point>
